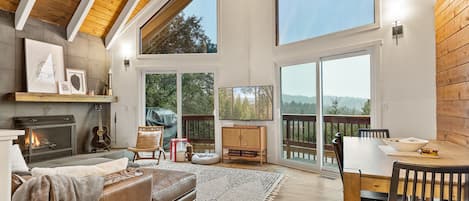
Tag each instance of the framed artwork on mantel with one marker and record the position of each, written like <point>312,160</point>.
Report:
<point>44,66</point>
<point>77,79</point>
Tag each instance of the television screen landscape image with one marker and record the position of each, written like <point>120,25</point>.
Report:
<point>246,103</point>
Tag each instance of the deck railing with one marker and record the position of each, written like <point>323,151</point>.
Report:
<point>299,133</point>
<point>199,128</point>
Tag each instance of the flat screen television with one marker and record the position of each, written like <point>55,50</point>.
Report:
<point>246,103</point>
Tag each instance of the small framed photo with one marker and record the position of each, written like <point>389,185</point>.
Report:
<point>77,79</point>
<point>64,88</point>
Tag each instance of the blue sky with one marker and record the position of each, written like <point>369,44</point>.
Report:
<point>207,10</point>
<point>303,19</point>
<point>298,19</point>
<point>347,77</point>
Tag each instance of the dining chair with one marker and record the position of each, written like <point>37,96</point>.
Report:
<point>149,139</point>
<point>423,177</point>
<point>338,145</point>
<point>339,153</point>
<point>373,133</point>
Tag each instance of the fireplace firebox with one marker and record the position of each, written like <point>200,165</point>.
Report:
<point>46,137</point>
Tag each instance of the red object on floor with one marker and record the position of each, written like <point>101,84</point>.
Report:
<point>173,147</point>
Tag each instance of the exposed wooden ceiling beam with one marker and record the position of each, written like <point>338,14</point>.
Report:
<point>162,17</point>
<point>78,18</point>
<point>22,13</point>
<point>120,22</point>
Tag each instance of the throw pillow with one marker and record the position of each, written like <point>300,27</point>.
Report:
<point>114,166</point>
<point>17,162</point>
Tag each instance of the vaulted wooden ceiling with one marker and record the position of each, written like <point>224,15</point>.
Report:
<point>98,22</point>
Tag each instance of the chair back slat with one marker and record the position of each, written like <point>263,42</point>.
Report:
<point>449,187</point>
<point>406,182</point>
<point>432,192</point>
<point>442,185</point>
<point>394,180</point>
<point>373,133</point>
<point>459,187</point>
<point>424,184</point>
<point>414,186</point>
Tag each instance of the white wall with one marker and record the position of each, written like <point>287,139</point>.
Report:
<point>248,57</point>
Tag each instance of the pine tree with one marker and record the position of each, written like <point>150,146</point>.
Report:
<point>181,35</point>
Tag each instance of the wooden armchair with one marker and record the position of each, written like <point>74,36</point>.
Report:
<point>149,139</point>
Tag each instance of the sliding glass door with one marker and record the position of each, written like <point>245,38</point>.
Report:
<point>298,110</point>
<point>198,123</point>
<point>319,99</point>
<point>183,103</point>
<point>346,95</point>
<point>161,103</point>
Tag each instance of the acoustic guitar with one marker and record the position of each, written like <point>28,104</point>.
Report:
<point>101,138</point>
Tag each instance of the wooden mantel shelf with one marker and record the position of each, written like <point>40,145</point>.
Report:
<point>58,98</point>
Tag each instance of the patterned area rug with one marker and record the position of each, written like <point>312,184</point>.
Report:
<point>226,184</point>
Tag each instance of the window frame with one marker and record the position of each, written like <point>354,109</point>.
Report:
<point>142,97</point>
<point>162,6</point>
<point>346,32</point>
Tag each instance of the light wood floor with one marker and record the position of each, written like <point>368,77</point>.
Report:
<point>298,185</point>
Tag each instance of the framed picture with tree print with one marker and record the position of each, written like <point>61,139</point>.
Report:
<point>77,79</point>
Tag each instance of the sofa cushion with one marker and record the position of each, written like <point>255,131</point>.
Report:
<point>89,161</point>
<point>171,185</point>
<point>101,169</point>
<point>94,161</point>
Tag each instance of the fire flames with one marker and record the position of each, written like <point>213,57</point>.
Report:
<point>34,139</point>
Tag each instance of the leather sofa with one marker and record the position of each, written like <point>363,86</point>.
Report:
<point>165,185</point>
<point>154,184</point>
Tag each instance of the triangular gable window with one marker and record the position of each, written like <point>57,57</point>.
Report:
<point>181,27</point>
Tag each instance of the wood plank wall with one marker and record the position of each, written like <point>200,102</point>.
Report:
<point>452,71</point>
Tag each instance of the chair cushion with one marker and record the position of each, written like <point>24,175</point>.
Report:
<point>171,185</point>
<point>148,139</point>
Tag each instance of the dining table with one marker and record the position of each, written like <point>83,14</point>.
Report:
<point>368,168</point>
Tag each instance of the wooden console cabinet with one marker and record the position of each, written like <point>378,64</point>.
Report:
<point>249,141</point>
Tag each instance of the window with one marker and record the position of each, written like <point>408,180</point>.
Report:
<point>181,26</point>
<point>304,19</point>
<point>320,98</point>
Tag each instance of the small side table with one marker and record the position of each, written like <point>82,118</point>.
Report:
<point>173,147</point>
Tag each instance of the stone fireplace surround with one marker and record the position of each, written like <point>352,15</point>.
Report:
<point>85,52</point>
